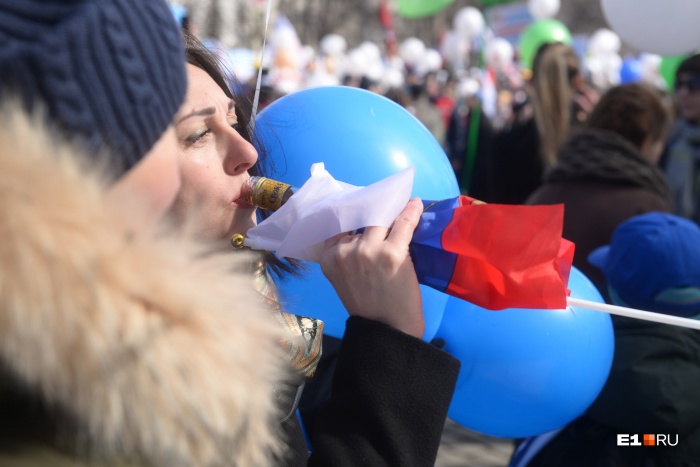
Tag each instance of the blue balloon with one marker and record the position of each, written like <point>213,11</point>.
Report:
<point>526,372</point>
<point>312,295</point>
<point>361,137</point>
<point>631,71</point>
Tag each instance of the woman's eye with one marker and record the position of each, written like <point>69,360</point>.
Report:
<point>239,127</point>
<point>197,136</point>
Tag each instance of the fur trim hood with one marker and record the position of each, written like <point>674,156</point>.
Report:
<point>159,352</point>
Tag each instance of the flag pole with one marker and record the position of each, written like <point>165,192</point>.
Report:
<point>634,313</point>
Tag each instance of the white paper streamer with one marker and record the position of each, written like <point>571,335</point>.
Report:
<point>324,207</point>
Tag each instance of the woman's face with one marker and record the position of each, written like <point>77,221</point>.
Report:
<point>214,161</point>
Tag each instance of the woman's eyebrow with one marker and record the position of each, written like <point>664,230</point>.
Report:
<point>206,112</point>
<point>199,113</point>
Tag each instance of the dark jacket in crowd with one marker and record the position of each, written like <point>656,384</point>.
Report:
<point>652,389</point>
<point>516,165</point>
<point>478,184</point>
<point>385,402</point>
<point>602,180</point>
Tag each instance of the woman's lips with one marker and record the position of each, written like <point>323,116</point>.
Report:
<point>241,203</point>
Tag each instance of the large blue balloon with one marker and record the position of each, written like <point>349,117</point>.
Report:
<point>525,372</point>
<point>361,137</point>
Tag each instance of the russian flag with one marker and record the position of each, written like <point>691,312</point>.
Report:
<point>496,256</point>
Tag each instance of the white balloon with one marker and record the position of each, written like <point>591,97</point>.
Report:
<point>357,63</point>
<point>392,78</point>
<point>454,48</point>
<point>499,53</point>
<point>431,61</point>
<point>664,27</point>
<point>411,50</point>
<point>333,44</point>
<point>371,50</point>
<point>603,42</point>
<point>468,23</point>
<point>612,63</point>
<point>396,62</point>
<point>308,54</point>
<point>651,70</point>
<point>374,70</point>
<point>468,87</point>
<point>543,9</point>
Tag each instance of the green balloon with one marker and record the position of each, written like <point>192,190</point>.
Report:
<point>668,68</point>
<point>421,8</point>
<point>538,33</point>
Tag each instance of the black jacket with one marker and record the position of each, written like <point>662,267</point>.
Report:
<point>388,403</point>
<point>602,180</point>
<point>652,389</point>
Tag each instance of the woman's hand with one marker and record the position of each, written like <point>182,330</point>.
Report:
<point>373,274</point>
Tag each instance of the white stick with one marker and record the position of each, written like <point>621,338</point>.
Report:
<point>633,313</point>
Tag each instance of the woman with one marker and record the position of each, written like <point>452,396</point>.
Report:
<point>119,344</point>
<point>608,171</point>
<point>559,100</point>
<point>373,414</point>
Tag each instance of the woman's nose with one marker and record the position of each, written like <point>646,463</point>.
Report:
<point>240,154</point>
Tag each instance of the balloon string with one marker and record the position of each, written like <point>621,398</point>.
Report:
<point>256,98</point>
<point>633,313</point>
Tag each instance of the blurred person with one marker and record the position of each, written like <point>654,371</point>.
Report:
<point>682,159</point>
<point>652,263</point>
<point>419,103</point>
<point>607,171</point>
<point>557,100</point>
<point>372,416</point>
<point>474,177</point>
<point>120,343</point>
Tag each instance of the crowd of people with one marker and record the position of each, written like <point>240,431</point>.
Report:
<point>132,334</point>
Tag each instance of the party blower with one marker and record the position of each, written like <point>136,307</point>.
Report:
<point>495,256</point>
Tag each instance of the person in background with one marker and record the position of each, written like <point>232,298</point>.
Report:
<point>421,104</point>
<point>390,390</point>
<point>121,342</point>
<point>681,161</point>
<point>652,263</point>
<point>607,171</point>
<point>559,99</point>
<point>471,161</point>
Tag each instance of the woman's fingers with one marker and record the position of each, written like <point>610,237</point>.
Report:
<point>401,231</point>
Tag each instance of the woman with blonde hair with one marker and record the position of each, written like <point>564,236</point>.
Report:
<point>558,99</point>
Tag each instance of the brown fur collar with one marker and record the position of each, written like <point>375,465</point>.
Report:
<point>161,355</point>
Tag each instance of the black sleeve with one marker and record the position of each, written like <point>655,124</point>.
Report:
<point>389,401</point>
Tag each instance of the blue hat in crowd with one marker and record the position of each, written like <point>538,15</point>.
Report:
<point>653,264</point>
<point>109,73</point>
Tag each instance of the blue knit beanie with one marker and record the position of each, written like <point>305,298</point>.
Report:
<point>110,73</point>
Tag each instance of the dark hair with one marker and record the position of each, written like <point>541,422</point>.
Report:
<point>198,55</point>
<point>634,111</point>
<point>690,65</point>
